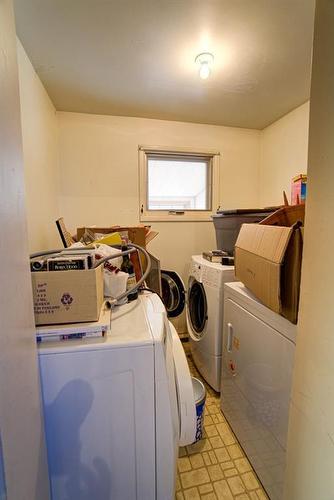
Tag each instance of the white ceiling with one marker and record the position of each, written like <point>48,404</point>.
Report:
<point>136,57</point>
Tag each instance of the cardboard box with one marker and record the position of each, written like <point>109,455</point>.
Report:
<point>67,296</point>
<point>298,189</point>
<point>268,260</point>
<point>140,235</point>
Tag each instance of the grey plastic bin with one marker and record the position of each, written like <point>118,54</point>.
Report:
<point>228,223</point>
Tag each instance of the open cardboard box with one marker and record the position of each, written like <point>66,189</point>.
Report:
<point>268,259</point>
<point>140,235</point>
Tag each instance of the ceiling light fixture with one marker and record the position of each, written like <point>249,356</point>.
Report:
<point>205,61</point>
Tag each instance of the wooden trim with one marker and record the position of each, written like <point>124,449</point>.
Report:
<point>146,215</point>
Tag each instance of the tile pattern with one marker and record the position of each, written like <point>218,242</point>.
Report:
<point>215,468</point>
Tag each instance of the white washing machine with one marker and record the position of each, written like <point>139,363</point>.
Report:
<point>258,355</point>
<point>117,409</point>
<point>205,315</point>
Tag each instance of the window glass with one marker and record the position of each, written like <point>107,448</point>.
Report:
<point>178,184</point>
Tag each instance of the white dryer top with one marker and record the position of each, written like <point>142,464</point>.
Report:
<point>210,273</point>
<point>199,259</point>
<point>244,297</point>
<point>137,323</point>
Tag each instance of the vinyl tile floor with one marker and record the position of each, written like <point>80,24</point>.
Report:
<point>216,467</point>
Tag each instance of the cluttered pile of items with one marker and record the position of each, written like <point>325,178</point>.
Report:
<point>74,288</point>
<point>265,246</point>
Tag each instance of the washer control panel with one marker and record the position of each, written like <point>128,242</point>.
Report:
<point>213,275</point>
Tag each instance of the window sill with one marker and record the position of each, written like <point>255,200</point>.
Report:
<point>176,218</point>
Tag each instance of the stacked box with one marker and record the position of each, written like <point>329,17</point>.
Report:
<point>298,189</point>
<point>268,259</point>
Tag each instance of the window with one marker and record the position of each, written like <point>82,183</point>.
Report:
<point>177,185</point>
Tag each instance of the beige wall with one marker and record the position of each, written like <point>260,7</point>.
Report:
<point>21,423</point>
<point>40,151</point>
<point>283,155</point>
<point>99,175</point>
<point>311,431</point>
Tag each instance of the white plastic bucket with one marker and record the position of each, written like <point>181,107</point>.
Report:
<point>199,395</point>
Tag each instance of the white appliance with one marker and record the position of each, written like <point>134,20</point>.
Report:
<point>258,355</point>
<point>205,315</point>
<point>117,409</point>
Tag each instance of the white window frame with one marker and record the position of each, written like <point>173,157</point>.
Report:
<point>146,215</point>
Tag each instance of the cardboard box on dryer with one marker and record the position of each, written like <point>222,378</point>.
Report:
<point>140,235</point>
<point>67,296</point>
<point>268,260</point>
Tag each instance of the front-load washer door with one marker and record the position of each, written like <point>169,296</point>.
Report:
<point>185,392</point>
<point>173,293</point>
<point>197,311</point>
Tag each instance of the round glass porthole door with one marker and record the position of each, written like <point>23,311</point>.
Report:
<point>197,307</point>
<point>173,293</point>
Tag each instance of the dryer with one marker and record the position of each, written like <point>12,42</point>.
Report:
<point>258,355</point>
<point>169,286</point>
<point>205,298</point>
<point>173,293</point>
